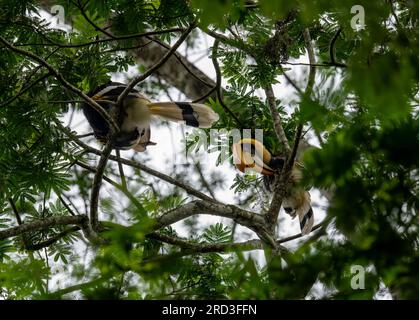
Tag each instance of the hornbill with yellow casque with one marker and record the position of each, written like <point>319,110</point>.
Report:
<point>250,154</point>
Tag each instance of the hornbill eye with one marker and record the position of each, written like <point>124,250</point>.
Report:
<point>288,210</point>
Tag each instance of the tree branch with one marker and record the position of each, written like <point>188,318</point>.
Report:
<point>180,60</point>
<point>332,51</point>
<point>281,183</point>
<point>83,13</point>
<point>218,85</point>
<point>308,91</point>
<point>124,190</point>
<point>188,247</point>
<point>190,190</point>
<point>105,40</point>
<point>312,59</point>
<point>279,130</point>
<point>52,240</point>
<point>151,70</point>
<point>243,217</point>
<point>23,90</point>
<point>97,183</point>
<point>121,170</point>
<point>15,211</point>
<point>43,224</point>
<point>63,81</point>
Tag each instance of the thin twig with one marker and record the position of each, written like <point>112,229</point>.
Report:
<point>66,205</point>
<point>203,180</point>
<point>218,83</point>
<point>80,136</point>
<point>298,235</point>
<point>327,64</point>
<point>121,170</point>
<point>228,41</point>
<point>332,50</point>
<point>137,165</point>
<point>95,26</point>
<point>312,59</point>
<point>393,12</point>
<point>52,240</point>
<point>179,58</point>
<point>292,83</point>
<point>97,183</point>
<point>77,287</point>
<point>206,95</point>
<point>115,38</point>
<point>75,209</point>
<point>23,90</point>
<point>155,67</point>
<point>15,211</point>
<point>143,45</point>
<point>125,191</point>
<point>63,81</point>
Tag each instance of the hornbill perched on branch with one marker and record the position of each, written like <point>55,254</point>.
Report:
<point>250,154</point>
<point>136,115</point>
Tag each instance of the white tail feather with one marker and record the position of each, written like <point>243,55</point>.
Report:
<point>192,114</point>
<point>299,204</point>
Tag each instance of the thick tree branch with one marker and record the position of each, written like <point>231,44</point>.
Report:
<point>188,247</point>
<point>280,185</point>
<point>43,224</point>
<point>243,217</point>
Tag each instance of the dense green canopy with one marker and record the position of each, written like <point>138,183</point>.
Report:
<point>352,82</point>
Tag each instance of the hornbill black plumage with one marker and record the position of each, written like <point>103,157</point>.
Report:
<point>250,154</point>
<point>137,111</point>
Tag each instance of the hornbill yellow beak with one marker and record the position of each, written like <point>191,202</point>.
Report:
<point>252,155</point>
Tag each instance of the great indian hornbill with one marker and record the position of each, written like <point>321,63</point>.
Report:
<point>250,154</point>
<point>136,114</point>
